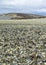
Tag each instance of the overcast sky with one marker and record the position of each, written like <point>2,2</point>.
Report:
<point>23,6</point>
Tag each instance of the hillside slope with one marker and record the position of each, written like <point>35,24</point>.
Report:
<point>12,16</point>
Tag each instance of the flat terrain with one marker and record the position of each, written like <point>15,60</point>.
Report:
<point>25,21</point>
<point>23,42</point>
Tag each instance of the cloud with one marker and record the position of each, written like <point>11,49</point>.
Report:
<point>41,10</point>
<point>22,2</point>
<point>23,5</point>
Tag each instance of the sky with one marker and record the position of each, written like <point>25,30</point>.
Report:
<point>23,6</point>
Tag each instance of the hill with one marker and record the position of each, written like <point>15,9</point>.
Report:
<point>12,16</point>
